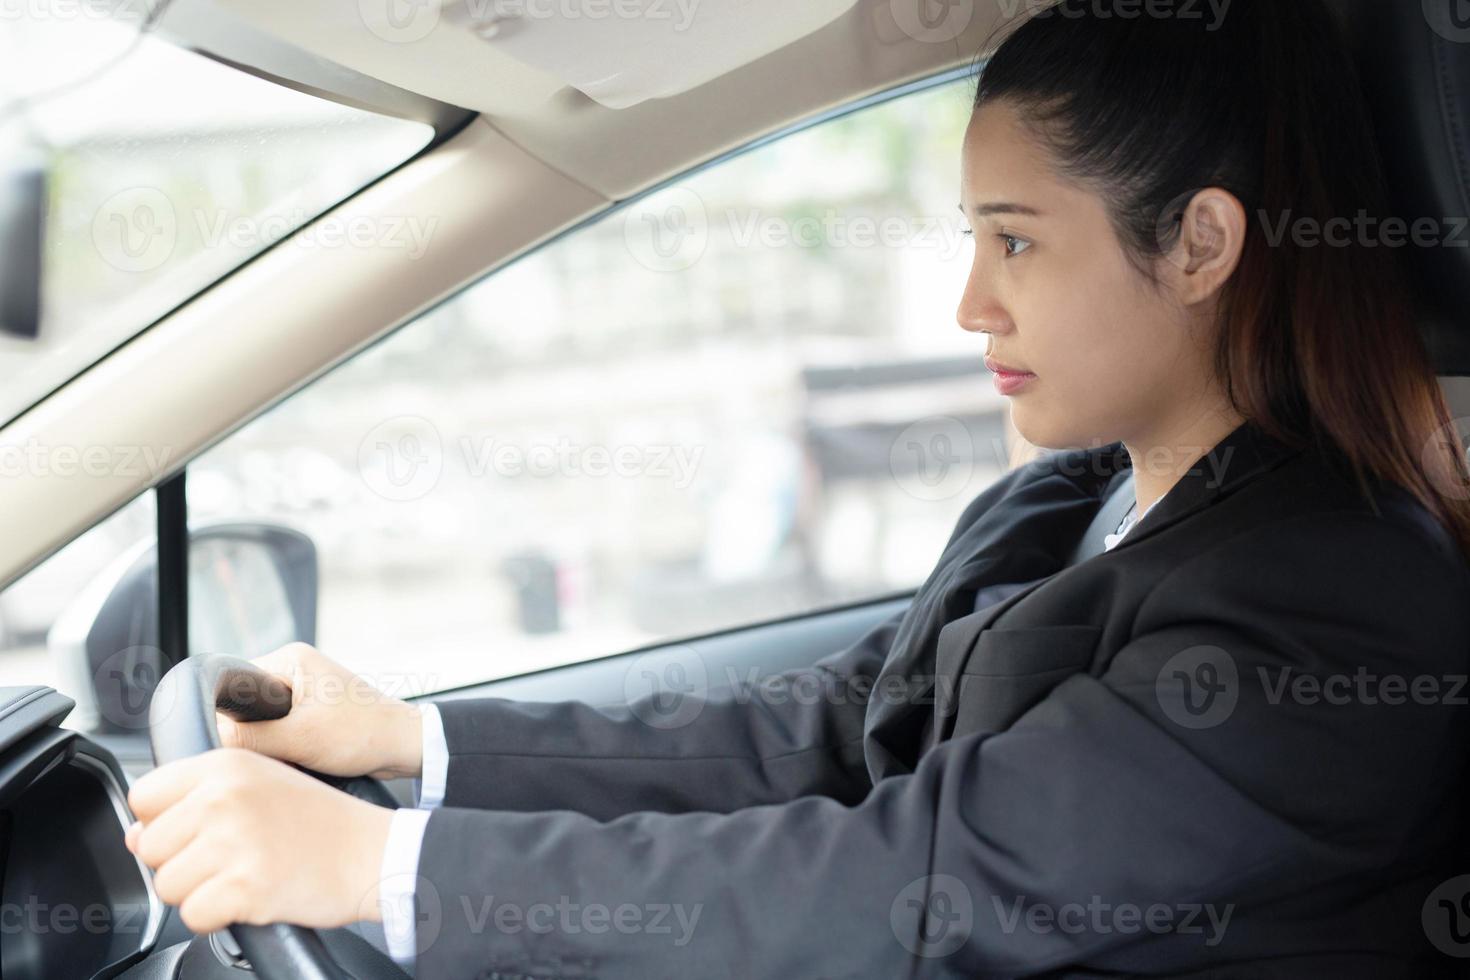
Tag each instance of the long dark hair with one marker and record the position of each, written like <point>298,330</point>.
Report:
<point>1317,342</point>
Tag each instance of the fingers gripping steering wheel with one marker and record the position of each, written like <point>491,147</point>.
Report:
<point>181,723</point>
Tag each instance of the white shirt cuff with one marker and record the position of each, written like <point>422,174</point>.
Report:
<point>435,778</point>
<point>399,875</point>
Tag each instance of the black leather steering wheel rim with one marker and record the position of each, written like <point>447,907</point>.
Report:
<point>181,723</point>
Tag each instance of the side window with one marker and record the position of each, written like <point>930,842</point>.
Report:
<point>739,398</point>
<point>47,614</point>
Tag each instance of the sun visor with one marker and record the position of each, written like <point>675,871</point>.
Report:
<point>623,52</point>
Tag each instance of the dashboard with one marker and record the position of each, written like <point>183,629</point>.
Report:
<point>76,903</point>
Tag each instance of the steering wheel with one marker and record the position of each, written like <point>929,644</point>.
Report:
<point>181,723</point>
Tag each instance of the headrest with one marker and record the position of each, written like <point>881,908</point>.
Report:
<point>1414,60</point>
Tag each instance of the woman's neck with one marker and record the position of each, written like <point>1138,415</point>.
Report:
<point>1161,459</point>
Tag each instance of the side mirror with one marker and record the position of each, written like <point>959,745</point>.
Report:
<point>252,589</point>
<point>22,234</point>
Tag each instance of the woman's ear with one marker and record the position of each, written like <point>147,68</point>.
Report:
<point>1211,240</point>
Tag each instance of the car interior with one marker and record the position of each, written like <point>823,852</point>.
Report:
<point>540,127</point>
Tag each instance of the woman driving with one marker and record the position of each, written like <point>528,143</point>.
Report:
<point>1227,745</point>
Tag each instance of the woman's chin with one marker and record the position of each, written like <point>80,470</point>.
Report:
<point>1053,434</point>
<point>1038,430</point>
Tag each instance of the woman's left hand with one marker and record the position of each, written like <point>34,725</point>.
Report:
<point>236,837</point>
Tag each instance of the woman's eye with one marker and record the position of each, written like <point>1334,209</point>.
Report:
<point>1014,246</point>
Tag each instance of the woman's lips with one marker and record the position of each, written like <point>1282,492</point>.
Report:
<point>1008,380</point>
<point>1008,383</point>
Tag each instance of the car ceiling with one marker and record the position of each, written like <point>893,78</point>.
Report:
<point>614,103</point>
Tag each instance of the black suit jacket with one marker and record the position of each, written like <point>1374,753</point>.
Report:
<point>1122,769</point>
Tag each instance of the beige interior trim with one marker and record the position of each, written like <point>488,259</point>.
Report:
<point>266,331</point>
<point>860,54</point>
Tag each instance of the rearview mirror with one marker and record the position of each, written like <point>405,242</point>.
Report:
<point>22,235</point>
<point>252,589</point>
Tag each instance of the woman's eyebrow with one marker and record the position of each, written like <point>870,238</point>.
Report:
<point>1003,207</point>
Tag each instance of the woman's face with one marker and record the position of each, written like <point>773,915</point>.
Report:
<point>1115,357</point>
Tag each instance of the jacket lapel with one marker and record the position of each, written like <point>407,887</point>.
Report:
<point>1028,537</point>
<point>956,640</point>
<point>1243,454</point>
<point>958,636</point>
<point>1024,537</point>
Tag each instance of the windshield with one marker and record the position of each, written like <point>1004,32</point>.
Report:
<point>164,170</point>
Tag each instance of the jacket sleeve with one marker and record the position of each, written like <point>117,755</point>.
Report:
<point>1008,854</point>
<point>691,741</point>
<point>674,750</point>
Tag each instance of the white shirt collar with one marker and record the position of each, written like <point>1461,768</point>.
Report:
<point>1128,523</point>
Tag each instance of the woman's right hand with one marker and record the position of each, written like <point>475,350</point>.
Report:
<point>339,724</point>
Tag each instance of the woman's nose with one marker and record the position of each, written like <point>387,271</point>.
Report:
<point>979,313</point>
